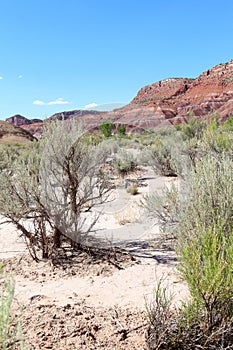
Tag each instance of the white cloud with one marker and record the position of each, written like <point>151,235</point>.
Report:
<point>20,76</point>
<point>39,103</point>
<point>1,77</point>
<point>58,101</point>
<point>91,105</point>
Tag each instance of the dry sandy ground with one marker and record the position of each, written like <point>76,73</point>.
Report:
<point>90,302</point>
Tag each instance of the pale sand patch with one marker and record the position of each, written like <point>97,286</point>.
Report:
<point>125,288</point>
<point>11,243</point>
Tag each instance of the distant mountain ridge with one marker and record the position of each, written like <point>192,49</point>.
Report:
<point>164,103</point>
<point>19,120</point>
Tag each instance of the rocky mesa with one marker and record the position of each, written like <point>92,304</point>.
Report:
<point>164,103</point>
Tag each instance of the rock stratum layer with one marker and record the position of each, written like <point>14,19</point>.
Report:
<point>164,103</point>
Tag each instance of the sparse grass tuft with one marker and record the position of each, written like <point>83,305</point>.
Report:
<point>10,331</point>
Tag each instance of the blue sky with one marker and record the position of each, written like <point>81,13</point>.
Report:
<point>67,54</point>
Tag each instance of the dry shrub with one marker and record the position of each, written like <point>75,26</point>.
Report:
<point>48,192</point>
<point>124,163</point>
<point>202,221</point>
<point>161,159</point>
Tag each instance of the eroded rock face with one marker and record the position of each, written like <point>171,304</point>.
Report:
<point>162,91</point>
<point>211,92</point>
<point>164,103</point>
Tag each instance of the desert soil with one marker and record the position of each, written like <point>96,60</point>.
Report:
<point>94,301</point>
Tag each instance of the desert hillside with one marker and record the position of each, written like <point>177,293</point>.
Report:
<point>161,104</point>
<point>10,133</point>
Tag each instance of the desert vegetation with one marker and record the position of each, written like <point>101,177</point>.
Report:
<point>50,189</point>
<point>198,215</point>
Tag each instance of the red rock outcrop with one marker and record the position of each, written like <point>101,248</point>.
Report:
<point>163,90</point>
<point>211,92</point>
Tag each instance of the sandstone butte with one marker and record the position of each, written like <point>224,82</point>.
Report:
<point>164,103</point>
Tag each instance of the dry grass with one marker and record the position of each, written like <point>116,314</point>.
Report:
<point>127,215</point>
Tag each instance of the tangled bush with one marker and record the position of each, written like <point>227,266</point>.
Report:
<point>48,192</point>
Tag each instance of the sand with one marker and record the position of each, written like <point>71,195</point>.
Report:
<point>122,224</point>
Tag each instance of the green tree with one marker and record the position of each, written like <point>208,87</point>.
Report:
<point>106,128</point>
<point>121,130</point>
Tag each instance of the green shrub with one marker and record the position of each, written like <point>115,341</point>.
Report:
<point>112,146</point>
<point>200,213</point>
<point>216,142</point>
<point>228,124</point>
<point>206,264</point>
<point>203,196</point>
<point>191,152</point>
<point>208,197</point>
<point>160,318</point>
<point>206,321</point>
<point>121,130</point>
<point>193,128</point>
<point>7,334</point>
<point>106,128</point>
